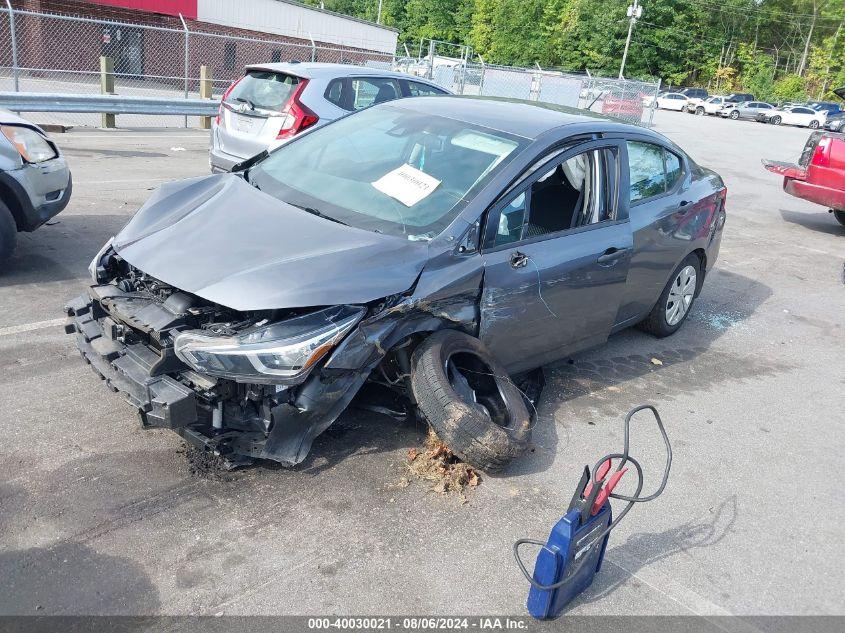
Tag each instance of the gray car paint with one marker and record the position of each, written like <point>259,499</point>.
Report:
<point>228,242</point>
<point>225,241</point>
<point>24,186</point>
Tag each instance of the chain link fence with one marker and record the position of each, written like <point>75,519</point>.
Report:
<point>41,52</point>
<point>632,101</point>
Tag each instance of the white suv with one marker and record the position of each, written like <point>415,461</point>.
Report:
<point>272,103</point>
<point>711,105</point>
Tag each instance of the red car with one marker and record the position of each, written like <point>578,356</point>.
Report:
<point>819,175</point>
<point>629,106</point>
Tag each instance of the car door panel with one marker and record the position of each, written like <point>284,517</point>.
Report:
<point>546,297</point>
<point>662,228</point>
<point>560,300</point>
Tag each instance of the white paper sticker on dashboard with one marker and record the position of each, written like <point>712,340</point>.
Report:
<point>407,184</point>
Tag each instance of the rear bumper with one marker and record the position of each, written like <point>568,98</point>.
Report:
<point>825,196</point>
<point>221,162</point>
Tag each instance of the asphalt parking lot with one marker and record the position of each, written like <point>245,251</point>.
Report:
<point>100,517</point>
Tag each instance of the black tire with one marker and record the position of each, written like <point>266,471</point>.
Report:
<point>487,433</point>
<point>776,120</point>
<point>734,115</point>
<point>814,125</point>
<point>656,322</point>
<point>699,111</point>
<point>840,216</point>
<point>8,233</point>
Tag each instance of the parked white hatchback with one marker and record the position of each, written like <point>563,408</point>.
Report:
<point>796,115</point>
<point>672,101</point>
<point>271,103</point>
<point>711,105</point>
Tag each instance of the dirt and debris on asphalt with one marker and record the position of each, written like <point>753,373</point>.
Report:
<point>98,516</point>
<point>446,473</point>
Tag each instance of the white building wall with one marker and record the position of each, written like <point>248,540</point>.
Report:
<point>295,20</point>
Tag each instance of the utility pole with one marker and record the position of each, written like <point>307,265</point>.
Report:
<point>378,18</point>
<point>634,12</point>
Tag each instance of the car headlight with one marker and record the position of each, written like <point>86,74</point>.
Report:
<point>280,353</point>
<point>95,268</point>
<point>32,147</point>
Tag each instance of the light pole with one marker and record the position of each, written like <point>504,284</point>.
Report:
<point>634,12</point>
<point>378,18</point>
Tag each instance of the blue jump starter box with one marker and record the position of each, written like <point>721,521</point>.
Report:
<point>572,556</point>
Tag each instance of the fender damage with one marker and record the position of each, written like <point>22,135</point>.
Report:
<point>125,327</point>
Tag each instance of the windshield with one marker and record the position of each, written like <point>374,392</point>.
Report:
<point>387,169</point>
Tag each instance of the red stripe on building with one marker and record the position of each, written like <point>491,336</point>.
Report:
<point>188,8</point>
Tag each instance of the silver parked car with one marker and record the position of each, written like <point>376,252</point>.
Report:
<point>745,110</point>
<point>272,103</point>
<point>35,182</point>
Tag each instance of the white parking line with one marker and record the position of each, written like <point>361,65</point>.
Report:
<point>29,327</point>
<point>105,182</point>
<point>109,136</point>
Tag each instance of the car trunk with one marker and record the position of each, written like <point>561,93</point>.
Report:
<point>253,111</point>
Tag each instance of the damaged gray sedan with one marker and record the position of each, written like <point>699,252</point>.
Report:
<point>421,255</point>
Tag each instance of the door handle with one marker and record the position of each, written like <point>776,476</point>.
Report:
<point>518,260</point>
<point>611,256</point>
<point>684,203</point>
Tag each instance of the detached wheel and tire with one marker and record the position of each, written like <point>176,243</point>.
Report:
<point>8,233</point>
<point>840,216</point>
<point>675,302</point>
<point>469,400</point>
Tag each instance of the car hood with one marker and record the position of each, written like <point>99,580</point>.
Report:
<point>225,241</point>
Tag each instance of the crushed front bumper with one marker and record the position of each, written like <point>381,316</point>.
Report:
<point>161,400</point>
<point>256,421</point>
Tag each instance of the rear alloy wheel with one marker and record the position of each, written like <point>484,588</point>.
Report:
<point>699,111</point>
<point>840,216</point>
<point>8,233</point>
<point>469,400</point>
<point>734,115</point>
<point>776,120</point>
<point>676,300</point>
<point>814,125</point>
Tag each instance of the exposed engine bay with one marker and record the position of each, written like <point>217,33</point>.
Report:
<point>245,384</point>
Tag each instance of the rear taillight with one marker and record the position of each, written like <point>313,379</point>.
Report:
<point>219,117</point>
<point>297,116</point>
<point>821,154</point>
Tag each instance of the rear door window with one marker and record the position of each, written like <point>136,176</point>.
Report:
<point>673,169</point>
<point>356,93</point>
<point>654,170</point>
<point>264,90</point>
<point>645,162</point>
<point>416,89</point>
<point>367,91</point>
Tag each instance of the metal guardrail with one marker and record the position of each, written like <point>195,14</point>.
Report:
<point>107,104</point>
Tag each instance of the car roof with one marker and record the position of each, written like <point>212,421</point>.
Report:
<point>311,70</point>
<point>528,119</point>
